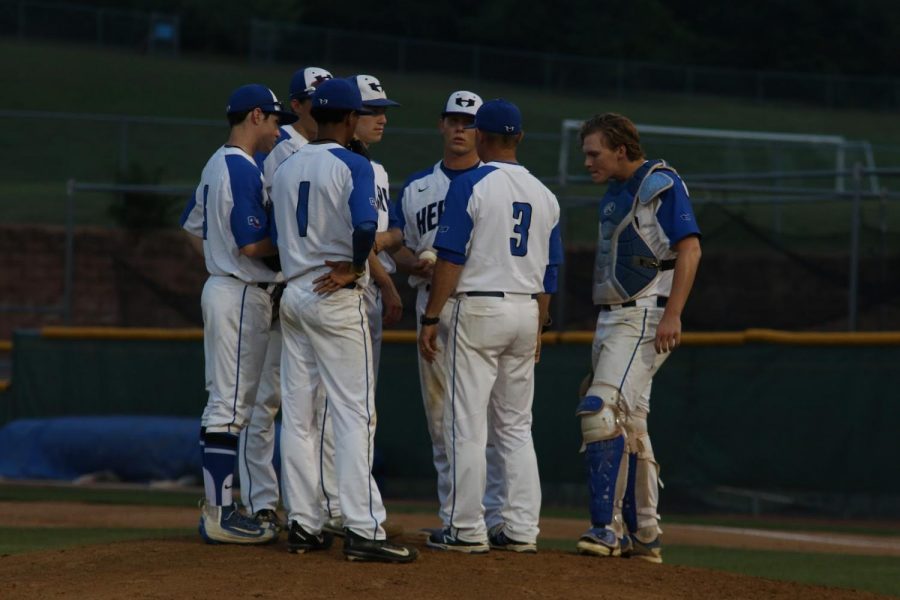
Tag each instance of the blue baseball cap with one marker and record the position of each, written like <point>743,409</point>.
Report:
<point>305,81</point>
<point>254,95</point>
<point>339,94</point>
<point>498,116</point>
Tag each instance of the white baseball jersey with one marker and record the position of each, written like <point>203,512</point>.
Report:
<point>502,223</point>
<point>321,193</point>
<point>228,210</point>
<point>385,214</point>
<point>420,206</point>
<point>289,142</point>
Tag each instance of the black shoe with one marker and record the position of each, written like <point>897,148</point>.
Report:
<point>357,547</point>
<point>269,517</point>
<point>300,540</point>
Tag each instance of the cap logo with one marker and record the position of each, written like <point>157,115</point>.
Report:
<point>465,102</point>
<point>323,100</point>
<point>376,87</point>
<point>509,128</point>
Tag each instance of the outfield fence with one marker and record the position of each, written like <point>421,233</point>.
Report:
<point>731,411</point>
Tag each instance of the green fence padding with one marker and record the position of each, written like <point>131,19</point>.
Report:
<point>757,416</point>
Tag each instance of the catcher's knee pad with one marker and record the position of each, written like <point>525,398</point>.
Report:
<point>598,420</point>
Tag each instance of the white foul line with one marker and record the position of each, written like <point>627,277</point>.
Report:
<point>818,538</point>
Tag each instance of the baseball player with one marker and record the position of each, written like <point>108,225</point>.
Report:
<point>418,209</point>
<point>647,257</point>
<point>383,303</point>
<point>229,210</point>
<point>324,199</point>
<point>259,483</point>
<point>498,251</point>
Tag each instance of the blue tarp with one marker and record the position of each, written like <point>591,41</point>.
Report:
<point>132,448</point>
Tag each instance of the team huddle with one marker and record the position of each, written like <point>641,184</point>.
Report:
<point>300,239</point>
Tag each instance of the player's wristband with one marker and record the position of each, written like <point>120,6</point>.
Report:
<point>423,320</point>
<point>359,271</point>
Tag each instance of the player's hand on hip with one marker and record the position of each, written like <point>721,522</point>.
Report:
<point>393,306</point>
<point>422,268</point>
<point>668,333</point>
<point>428,342</point>
<point>341,274</point>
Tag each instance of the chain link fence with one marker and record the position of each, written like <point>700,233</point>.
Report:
<point>300,44</point>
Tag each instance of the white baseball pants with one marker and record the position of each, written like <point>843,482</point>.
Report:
<point>432,382</point>
<point>236,321</point>
<point>489,361</point>
<point>326,339</point>
<point>259,482</point>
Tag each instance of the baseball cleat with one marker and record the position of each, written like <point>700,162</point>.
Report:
<point>626,546</point>
<point>650,551</point>
<point>269,517</point>
<point>300,540</point>
<point>498,540</point>
<point>334,526</point>
<point>443,540</point>
<point>226,525</point>
<point>358,548</point>
<point>599,541</point>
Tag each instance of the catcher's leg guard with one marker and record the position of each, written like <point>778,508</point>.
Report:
<point>604,446</point>
<point>603,461</point>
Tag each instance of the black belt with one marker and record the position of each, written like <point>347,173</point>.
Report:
<point>350,286</point>
<point>262,286</point>
<point>652,263</point>
<point>660,303</point>
<point>492,295</point>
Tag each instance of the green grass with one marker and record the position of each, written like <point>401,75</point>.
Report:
<point>16,540</point>
<point>879,574</point>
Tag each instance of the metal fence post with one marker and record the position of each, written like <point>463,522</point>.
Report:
<point>853,292</point>
<point>69,265</point>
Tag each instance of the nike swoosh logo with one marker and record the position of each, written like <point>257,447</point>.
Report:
<point>397,551</point>
<point>422,189</point>
<point>227,487</point>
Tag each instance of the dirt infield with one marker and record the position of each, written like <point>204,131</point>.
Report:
<point>187,568</point>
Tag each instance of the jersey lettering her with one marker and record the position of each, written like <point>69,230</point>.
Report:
<point>428,216</point>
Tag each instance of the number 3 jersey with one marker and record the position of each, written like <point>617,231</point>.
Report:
<point>321,193</point>
<point>503,224</point>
